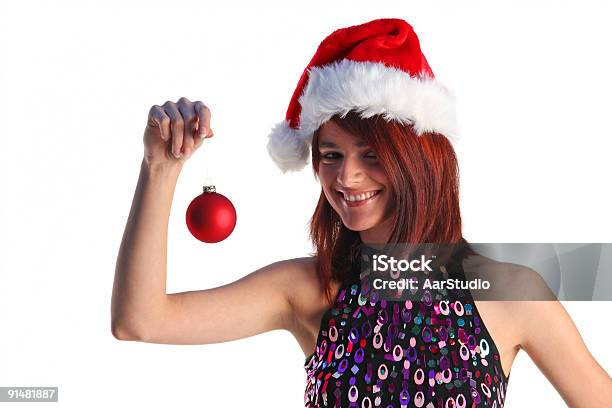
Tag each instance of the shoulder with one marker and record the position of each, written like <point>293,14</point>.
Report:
<point>305,293</point>
<point>509,281</point>
<point>303,281</point>
<point>296,277</point>
<point>291,274</point>
<point>298,270</point>
<point>518,294</point>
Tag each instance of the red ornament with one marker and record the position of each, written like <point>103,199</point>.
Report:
<point>211,217</point>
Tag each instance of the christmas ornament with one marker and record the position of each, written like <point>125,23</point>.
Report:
<point>211,217</point>
<point>375,68</point>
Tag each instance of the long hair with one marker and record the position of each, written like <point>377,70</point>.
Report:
<point>423,174</point>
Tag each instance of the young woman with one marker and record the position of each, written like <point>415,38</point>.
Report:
<point>380,127</point>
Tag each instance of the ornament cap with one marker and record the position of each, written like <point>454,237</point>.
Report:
<point>209,189</point>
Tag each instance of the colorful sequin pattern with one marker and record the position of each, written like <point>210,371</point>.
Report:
<point>432,353</point>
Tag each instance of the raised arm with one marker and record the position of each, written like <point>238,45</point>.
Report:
<point>140,308</point>
<point>172,133</point>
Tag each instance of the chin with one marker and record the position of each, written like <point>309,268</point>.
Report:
<point>359,226</point>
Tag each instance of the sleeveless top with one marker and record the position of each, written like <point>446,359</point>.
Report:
<point>432,353</point>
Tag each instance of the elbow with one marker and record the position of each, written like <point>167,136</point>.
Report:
<point>120,332</point>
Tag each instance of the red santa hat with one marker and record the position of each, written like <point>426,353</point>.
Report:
<point>372,68</point>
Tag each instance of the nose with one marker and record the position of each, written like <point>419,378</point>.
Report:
<point>350,171</point>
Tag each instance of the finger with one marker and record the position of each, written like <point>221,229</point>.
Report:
<point>199,141</point>
<point>187,111</point>
<point>176,126</point>
<point>203,119</point>
<point>158,118</point>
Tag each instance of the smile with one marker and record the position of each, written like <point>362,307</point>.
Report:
<point>359,199</point>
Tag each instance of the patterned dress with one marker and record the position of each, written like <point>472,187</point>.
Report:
<point>434,353</point>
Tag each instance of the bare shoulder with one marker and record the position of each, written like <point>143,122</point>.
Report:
<point>297,278</point>
<point>297,271</point>
<point>509,281</point>
<point>294,268</point>
<point>304,288</point>
<point>496,301</point>
<point>514,287</point>
<point>308,302</point>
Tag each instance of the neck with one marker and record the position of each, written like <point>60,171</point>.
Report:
<point>379,234</point>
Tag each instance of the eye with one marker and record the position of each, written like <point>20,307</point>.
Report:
<point>326,155</point>
<point>371,155</point>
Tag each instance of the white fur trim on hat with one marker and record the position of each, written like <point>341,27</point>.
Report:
<point>370,89</point>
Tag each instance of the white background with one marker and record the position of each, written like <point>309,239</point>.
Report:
<point>77,80</point>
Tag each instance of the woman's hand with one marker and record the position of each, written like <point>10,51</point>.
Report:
<point>175,130</point>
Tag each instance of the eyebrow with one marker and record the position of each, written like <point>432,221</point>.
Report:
<point>330,144</point>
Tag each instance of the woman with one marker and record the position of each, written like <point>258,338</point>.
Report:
<point>380,127</point>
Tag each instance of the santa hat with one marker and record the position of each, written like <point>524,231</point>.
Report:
<point>372,68</point>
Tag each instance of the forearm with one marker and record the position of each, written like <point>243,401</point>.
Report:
<point>139,289</point>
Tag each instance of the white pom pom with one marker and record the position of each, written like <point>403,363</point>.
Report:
<point>288,148</point>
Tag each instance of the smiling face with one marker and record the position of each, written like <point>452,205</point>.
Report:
<point>355,183</point>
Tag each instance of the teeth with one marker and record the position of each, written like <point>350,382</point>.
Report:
<point>359,197</point>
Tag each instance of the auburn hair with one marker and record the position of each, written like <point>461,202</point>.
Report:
<point>423,175</point>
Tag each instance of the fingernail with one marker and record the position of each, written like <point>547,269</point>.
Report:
<point>177,155</point>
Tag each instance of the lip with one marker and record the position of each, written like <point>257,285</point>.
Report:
<point>356,192</point>
<point>359,203</point>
